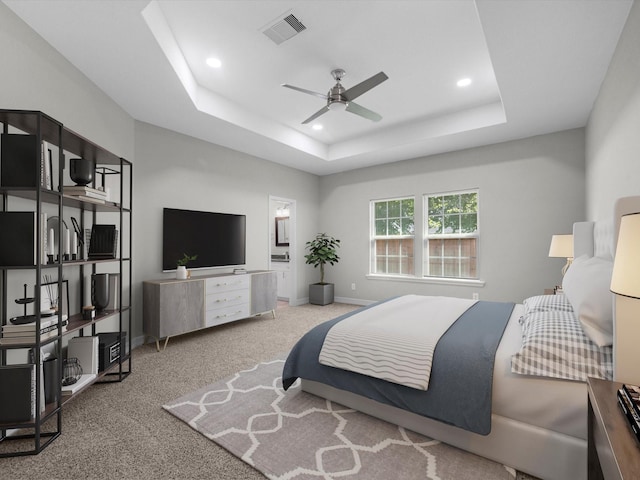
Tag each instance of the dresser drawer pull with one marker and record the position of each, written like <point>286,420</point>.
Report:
<point>228,299</point>
<point>228,314</point>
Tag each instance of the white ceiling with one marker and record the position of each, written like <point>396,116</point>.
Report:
<point>536,67</point>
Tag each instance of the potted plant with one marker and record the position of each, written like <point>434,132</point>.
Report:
<point>181,271</point>
<point>322,250</point>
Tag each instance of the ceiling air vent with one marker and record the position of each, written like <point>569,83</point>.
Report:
<point>284,28</point>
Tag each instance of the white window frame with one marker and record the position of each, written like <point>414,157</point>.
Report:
<point>374,237</point>
<point>427,236</point>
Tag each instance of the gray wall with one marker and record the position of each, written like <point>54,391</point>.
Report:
<point>177,171</point>
<point>529,190</point>
<point>36,77</point>
<point>613,131</point>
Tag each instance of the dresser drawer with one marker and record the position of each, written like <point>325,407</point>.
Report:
<point>226,314</point>
<point>225,299</point>
<point>227,283</point>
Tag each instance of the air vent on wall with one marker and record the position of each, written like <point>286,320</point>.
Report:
<point>284,28</point>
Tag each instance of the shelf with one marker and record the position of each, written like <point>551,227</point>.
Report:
<point>70,201</point>
<point>76,322</point>
<point>67,263</point>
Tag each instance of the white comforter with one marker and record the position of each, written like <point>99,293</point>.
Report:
<point>375,343</point>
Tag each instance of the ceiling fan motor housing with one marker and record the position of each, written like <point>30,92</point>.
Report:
<point>335,100</point>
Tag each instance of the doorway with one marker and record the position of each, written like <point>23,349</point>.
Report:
<point>282,246</point>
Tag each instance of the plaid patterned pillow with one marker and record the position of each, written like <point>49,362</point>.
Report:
<point>554,345</point>
<point>544,303</point>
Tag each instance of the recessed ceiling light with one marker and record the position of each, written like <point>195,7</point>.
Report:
<point>214,62</point>
<point>317,126</point>
<point>464,82</point>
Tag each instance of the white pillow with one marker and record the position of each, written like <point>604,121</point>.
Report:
<point>586,286</point>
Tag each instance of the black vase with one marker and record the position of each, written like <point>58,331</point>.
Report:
<point>81,170</point>
<point>50,370</point>
<point>100,290</point>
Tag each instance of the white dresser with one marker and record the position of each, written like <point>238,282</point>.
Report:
<point>226,299</point>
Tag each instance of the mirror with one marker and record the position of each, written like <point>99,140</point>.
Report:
<point>282,231</point>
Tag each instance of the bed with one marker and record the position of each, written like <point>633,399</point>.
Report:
<point>538,423</point>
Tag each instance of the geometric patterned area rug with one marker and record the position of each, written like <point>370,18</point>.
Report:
<point>294,435</point>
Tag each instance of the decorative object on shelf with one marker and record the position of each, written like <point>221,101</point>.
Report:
<point>102,174</point>
<point>53,302</point>
<point>103,242</point>
<point>49,301</point>
<point>71,371</point>
<point>322,250</point>
<point>17,397</point>
<point>82,170</point>
<point>53,239</point>
<point>22,319</point>
<point>562,247</point>
<point>110,346</point>
<point>20,154</point>
<point>100,290</point>
<point>78,246</point>
<point>46,170</point>
<point>86,194</point>
<point>50,371</point>
<point>181,270</point>
<point>88,312</point>
<point>18,238</point>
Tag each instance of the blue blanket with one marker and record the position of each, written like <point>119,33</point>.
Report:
<point>461,376</point>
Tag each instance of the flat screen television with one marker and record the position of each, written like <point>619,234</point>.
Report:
<point>218,239</point>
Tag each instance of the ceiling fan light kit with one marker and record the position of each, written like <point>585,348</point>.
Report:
<point>340,99</point>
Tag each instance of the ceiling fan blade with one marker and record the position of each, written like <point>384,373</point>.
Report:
<point>304,90</point>
<point>363,87</point>
<point>322,111</point>
<point>363,112</point>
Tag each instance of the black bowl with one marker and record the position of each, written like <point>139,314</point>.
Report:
<point>82,170</point>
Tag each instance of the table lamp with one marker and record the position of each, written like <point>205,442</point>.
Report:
<point>562,247</point>
<point>625,279</point>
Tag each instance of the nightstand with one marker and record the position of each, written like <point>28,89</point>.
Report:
<point>613,452</point>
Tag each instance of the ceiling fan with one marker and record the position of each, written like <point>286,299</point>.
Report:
<point>340,99</point>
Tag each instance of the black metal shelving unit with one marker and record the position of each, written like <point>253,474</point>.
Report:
<point>50,146</point>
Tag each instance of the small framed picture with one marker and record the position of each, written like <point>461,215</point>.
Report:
<point>51,301</point>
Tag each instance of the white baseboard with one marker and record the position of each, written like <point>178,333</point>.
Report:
<point>353,301</point>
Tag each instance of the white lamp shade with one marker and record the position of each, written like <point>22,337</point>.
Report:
<point>625,279</point>
<point>561,246</point>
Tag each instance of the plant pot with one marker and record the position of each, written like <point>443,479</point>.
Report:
<point>321,293</point>
<point>181,272</point>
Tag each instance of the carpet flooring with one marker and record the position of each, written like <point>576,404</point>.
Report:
<point>294,435</point>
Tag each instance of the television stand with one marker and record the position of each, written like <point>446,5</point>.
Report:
<point>172,307</point>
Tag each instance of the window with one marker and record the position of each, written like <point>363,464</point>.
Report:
<point>393,237</point>
<point>451,240</point>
